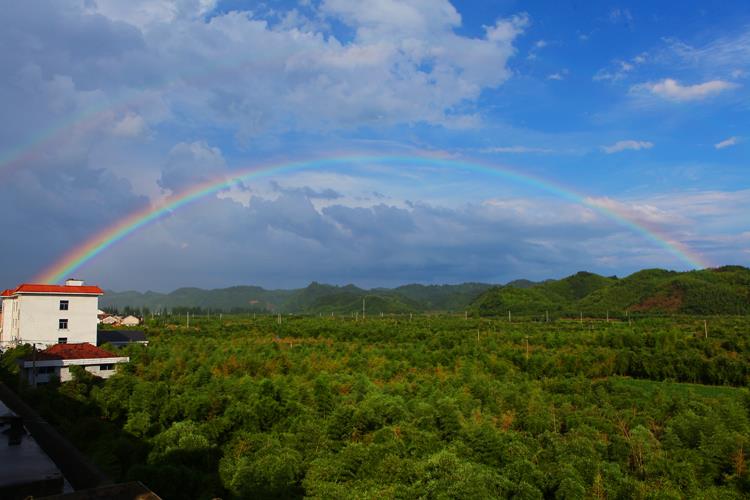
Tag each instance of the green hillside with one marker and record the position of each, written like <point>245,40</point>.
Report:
<point>724,290</point>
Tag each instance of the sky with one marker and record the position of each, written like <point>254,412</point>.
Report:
<point>641,109</point>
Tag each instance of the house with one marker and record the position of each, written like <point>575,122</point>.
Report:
<point>130,321</point>
<point>111,320</point>
<point>100,315</point>
<point>50,314</point>
<point>55,361</point>
<point>121,338</point>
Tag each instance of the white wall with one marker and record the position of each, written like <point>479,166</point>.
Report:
<point>40,315</point>
<point>10,316</point>
<point>62,368</point>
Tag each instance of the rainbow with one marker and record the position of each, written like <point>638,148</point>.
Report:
<point>101,241</point>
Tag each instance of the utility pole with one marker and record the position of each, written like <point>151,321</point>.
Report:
<point>188,319</point>
<point>509,320</point>
<point>363,308</point>
<point>527,348</point>
<point>33,363</point>
<point>705,328</point>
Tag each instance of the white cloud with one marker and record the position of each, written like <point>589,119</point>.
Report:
<point>619,68</point>
<point>130,125</point>
<point>727,142</point>
<point>617,15</point>
<point>506,30</point>
<point>143,13</point>
<point>728,53</point>
<point>245,75</point>
<point>559,75</point>
<point>643,211</point>
<point>673,90</point>
<point>629,144</point>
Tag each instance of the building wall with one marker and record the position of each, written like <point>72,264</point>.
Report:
<point>40,314</point>
<point>131,321</point>
<point>64,374</point>
<point>9,328</point>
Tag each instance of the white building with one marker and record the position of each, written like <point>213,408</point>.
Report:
<point>111,320</point>
<point>130,321</point>
<point>50,314</point>
<point>55,361</point>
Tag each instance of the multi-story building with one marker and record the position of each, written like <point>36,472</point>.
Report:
<point>49,314</point>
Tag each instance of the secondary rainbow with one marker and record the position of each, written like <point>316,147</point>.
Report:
<point>98,243</point>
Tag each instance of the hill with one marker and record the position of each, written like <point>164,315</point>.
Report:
<point>313,299</point>
<point>724,290</point>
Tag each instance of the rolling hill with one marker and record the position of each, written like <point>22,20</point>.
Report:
<point>724,290</point>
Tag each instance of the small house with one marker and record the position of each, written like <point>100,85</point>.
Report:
<point>55,361</point>
<point>111,320</point>
<point>130,321</point>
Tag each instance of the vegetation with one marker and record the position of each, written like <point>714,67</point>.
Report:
<point>432,407</point>
<point>725,290</point>
<point>314,299</point>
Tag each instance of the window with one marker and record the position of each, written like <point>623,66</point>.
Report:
<point>62,340</point>
<point>62,324</point>
<point>45,370</point>
<point>106,367</point>
<point>64,305</point>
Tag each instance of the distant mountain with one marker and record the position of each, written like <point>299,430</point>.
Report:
<point>313,299</point>
<point>724,290</point>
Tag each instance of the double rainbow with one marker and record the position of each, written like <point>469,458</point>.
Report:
<point>101,241</point>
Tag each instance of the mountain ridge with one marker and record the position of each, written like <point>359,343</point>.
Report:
<point>723,290</point>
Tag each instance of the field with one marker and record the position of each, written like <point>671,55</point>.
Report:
<point>427,407</point>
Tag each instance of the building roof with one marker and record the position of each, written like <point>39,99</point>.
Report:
<point>73,351</point>
<point>120,336</point>
<point>59,289</point>
<point>6,293</point>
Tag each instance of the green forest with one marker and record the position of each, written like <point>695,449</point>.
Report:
<point>420,406</point>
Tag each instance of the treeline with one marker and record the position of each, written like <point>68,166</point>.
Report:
<point>438,407</point>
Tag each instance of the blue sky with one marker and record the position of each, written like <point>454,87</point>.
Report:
<point>641,107</point>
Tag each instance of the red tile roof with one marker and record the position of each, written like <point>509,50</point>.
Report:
<point>74,351</point>
<point>62,289</point>
<point>6,293</point>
